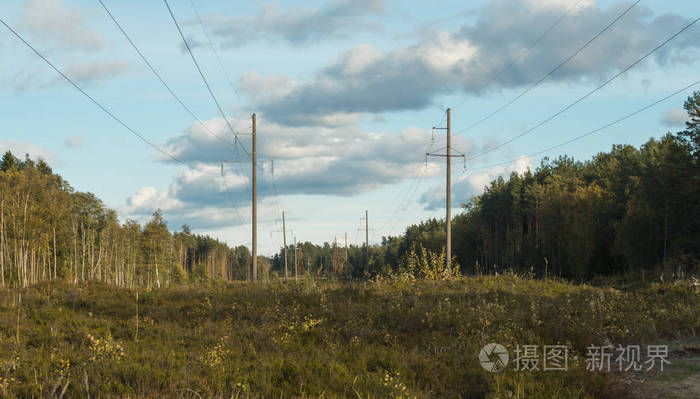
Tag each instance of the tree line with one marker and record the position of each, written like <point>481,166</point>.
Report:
<point>48,231</point>
<point>625,210</point>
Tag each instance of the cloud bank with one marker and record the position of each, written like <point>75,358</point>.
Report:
<point>297,26</point>
<point>365,79</point>
<point>63,25</point>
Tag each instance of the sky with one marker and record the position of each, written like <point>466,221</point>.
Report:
<point>346,93</point>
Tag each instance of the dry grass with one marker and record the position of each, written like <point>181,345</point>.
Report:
<point>414,339</point>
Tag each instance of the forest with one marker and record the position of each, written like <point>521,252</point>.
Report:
<point>48,230</point>
<point>629,210</point>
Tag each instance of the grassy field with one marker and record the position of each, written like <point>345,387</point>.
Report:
<point>334,339</point>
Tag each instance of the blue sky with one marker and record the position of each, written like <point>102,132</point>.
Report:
<point>346,93</point>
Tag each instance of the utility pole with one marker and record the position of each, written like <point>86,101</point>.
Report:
<point>367,229</point>
<point>448,188</point>
<point>284,241</point>
<point>448,202</point>
<point>255,209</point>
<point>346,249</point>
<point>254,201</point>
<point>296,270</point>
<point>367,236</point>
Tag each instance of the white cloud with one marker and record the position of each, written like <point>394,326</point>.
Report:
<point>359,59</point>
<point>300,25</point>
<point>20,148</point>
<point>266,88</point>
<point>212,210</point>
<point>559,3</point>
<point>53,21</point>
<point>674,117</point>
<point>309,160</point>
<point>335,160</point>
<point>74,142</point>
<point>97,70</point>
<point>148,199</point>
<point>447,52</point>
<point>367,80</point>
<point>466,186</point>
<point>82,73</point>
<point>27,79</point>
<point>198,185</point>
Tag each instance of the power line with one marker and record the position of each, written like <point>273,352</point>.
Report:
<point>632,65</point>
<point>408,191</point>
<point>238,163</point>
<point>268,192</point>
<point>404,195</point>
<point>550,73</point>
<point>524,53</point>
<point>160,78</point>
<point>206,83</point>
<point>209,89</point>
<point>94,101</point>
<point>607,125</point>
<point>274,188</point>
<point>230,197</point>
<point>216,53</point>
<point>102,107</point>
<point>405,208</point>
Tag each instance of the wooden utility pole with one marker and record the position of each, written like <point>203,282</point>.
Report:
<point>284,241</point>
<point>448,188</point>
<point>255,210</point>
<point>367,229</point>
<point>448,202</point>
<point>366,219</point>
<point>254,199</point>
<point>367,237</point>
<point>346,249</point>
<point>296,269</point>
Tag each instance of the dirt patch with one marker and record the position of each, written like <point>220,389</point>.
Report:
<point>680,380</point>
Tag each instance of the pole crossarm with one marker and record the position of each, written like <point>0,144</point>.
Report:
<point>247,161</point>
<point>445,155</point>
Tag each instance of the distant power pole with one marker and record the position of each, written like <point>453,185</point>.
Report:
<point>367,236</point>
<point>448,186</point>
<point>284,241</point>
<point>296,270</point>
<point>367,229</point>
<point>346,249</point>
<point>255,210</point>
